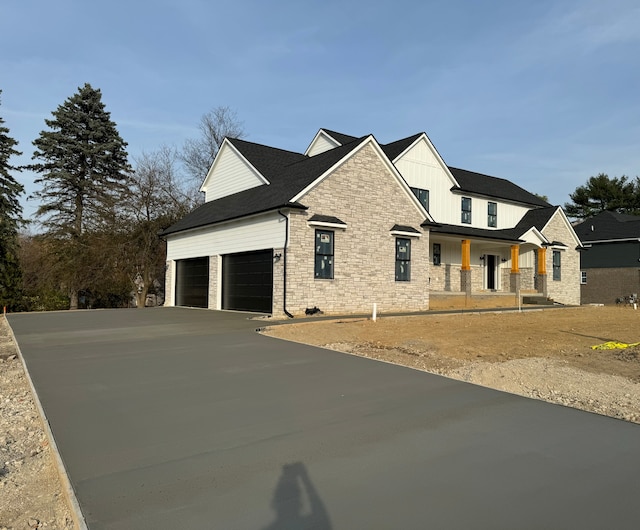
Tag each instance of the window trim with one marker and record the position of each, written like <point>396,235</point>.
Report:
<point>468,211</point>
<point>316,254</point>
<point>583,277</point>
<point>416,192</point>
<point>398,261</point>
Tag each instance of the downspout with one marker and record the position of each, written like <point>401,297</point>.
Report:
<point>284,264</point>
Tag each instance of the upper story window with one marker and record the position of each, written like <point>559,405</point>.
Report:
<point>466,210</point>
<point>436,254</point>
<point>557,264</point>
<point>324,255</point>
<point>423,196</point>
<point>403,259</point>
<point>492,214</point>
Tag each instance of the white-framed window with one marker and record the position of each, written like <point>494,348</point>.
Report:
<point>583,277</point>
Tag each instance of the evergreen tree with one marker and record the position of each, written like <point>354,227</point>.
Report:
<point>10,221</point>
<point>85,178</point>
<point>602,193</point>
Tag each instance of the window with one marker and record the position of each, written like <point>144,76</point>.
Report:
<point>583,277</point>
<point>403,259</point>
<point>492,214</point>
<point>466,210</point>
<point>436,254</point>
<point>324,255</point>
<point>423,196</point>
<point>556,265</point>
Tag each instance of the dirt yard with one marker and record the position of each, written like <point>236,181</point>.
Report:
<point>543,354</point>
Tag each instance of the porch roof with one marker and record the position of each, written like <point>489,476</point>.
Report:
<point>506,235</point>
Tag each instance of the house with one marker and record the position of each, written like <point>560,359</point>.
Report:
<point>352,222</point>
<point>610,264</point>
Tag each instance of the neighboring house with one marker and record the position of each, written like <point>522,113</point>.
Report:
<point>610,264</point>
<point>351,222</point>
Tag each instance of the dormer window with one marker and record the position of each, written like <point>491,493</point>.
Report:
<point>466,210</point>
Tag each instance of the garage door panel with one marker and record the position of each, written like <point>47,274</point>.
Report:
<point>247,281</point>
<point>192,282</point>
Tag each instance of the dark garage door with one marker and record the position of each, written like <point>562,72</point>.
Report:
<point>192,282</point>
<point>247,281</point>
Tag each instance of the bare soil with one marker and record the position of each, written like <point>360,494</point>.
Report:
<point>544,354</point>
<point>31,495</point>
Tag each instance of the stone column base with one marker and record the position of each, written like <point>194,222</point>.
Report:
<point>465,282</point>
<point>514,282</point>
<point>542,284</point>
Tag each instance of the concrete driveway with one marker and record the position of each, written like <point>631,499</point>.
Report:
<point>177,418</point>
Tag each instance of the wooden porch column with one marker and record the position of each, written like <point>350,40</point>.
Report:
<point>515,252</point>
<point>466,254</point>
<point>514,279</point>
<point>542,271</point>
<point>465,272</point>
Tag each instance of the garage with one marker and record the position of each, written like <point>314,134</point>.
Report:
<point>192,282</point>
<point>247,281</point>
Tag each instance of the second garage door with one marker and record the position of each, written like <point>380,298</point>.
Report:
<point>247,281</point>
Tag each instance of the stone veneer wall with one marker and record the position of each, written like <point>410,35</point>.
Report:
<point>278,282</point>
<point>605,285</point>
<point>169,295</point>
<point>214,263</point>
<point>363,193</point>
<point>567,290</point>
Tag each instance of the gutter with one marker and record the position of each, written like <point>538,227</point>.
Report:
<point>284,264</point>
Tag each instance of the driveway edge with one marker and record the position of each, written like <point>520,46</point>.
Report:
<point>67,487</point>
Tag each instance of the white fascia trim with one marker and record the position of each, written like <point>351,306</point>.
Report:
<point>576,239</point>
<point>405,234</point>
<point>533,230</point>
<point>558,247</point>
<point>434,151</point>
<point>399,178</point>
<point>223,223</point>
<point>321,132</point>
<point>327,225</point>
<point>227,143</point>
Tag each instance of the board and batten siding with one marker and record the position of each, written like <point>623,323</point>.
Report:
<point>230,174</point>
<point>321,144</point>
<point>421,168</point>
<point>255,233</point>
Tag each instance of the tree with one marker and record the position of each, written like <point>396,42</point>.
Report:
<point>602,193</point>
<point>85,181</point>
<point>160,199</point>
<point>198,154</point>
<point>10,221</point>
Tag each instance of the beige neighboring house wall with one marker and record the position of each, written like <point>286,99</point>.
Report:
<point>567,290</point>
<point>364,193</point>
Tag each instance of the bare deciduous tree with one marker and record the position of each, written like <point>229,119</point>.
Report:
<point>198,153</point>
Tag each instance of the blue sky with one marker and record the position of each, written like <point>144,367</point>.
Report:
<point>544,93</point>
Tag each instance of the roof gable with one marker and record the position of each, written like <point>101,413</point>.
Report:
<point>230,173</point>
<point>325,140</point>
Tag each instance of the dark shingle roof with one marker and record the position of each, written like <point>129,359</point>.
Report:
<point>395,149</point>
<point>404,228</point>
<point>486,185</point>
<point>342,139</point>
<point>479,233</point>
<point>288,174</point>
<point>538,217</point>
<point>326,219</point>
<point>607,226</point>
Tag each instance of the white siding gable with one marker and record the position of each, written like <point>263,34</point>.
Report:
<point>321,143</point>
<point>253,233</point>
<point>230,173</point>
<point>422,167</point>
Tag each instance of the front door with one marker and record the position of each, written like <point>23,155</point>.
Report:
<point>491,272</point>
